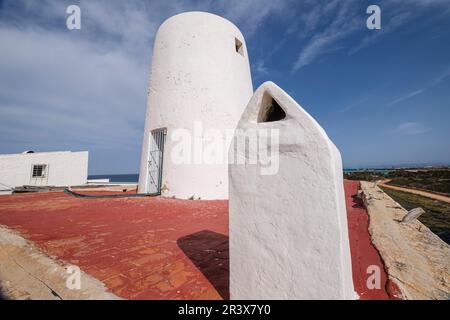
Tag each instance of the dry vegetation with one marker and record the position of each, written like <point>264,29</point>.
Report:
<point>436,216</point>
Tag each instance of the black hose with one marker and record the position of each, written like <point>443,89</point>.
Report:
<point>110,196</point>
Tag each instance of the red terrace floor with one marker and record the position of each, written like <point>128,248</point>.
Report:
<point>155,248</point>
<point>362,250</point>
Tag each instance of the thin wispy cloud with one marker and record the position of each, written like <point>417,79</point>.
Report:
<point>260,68</point>
<point>396,14</point>
<point>411,128</point>
<point>343,22</point>
<point>390,26</point>
<point>434,82</point>
<point>313,16</point>
<point>250,14</point>
<point>406,96</point>
<point>328,24</point>
<point>354,104</point>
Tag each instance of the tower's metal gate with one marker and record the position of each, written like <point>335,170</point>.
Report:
<point>155,160</point>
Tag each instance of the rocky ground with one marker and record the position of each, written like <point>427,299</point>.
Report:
<point>416,259</point>
<point>26,273</point>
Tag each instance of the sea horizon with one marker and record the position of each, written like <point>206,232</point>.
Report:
<point>134,177</point>
<point>126,177</point>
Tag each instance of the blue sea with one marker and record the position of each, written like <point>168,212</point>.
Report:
<point>132,178</point>
<point>380,171</point>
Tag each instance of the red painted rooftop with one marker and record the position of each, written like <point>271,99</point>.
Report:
<point>157,248</point>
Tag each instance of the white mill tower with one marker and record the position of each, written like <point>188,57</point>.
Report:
<point>200,81</point>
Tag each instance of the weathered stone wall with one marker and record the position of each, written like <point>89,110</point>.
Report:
<point>416,259</point>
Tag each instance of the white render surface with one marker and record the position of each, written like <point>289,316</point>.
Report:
<point>63,169</point>
<point>288,231</point>
<point>197,76</point>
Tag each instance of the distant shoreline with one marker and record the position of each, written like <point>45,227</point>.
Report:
<point>134,177</point>
<point>130,178</point>
<point>392,168</point>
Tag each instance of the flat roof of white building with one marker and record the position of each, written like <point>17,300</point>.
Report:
<point>34,152</point>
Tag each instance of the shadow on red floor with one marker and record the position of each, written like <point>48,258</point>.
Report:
<point>208,251</point>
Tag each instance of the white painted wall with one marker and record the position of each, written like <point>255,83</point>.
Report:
<point>196,75</point>
<point>64,168</point>
<point>288,231</point>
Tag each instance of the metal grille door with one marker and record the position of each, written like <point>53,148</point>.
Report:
<point>155,160</point>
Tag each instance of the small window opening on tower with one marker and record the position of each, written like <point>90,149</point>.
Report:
<point>270,110</point>
<point>238,46</point>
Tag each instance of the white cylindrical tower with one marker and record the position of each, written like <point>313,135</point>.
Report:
<point>200,84</point>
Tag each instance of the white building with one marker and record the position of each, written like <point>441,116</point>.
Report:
<point>30,168</point>
<point>200,81</point>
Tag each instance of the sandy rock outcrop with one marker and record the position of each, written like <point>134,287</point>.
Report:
<point>416,259</point>
<point>26,273</point>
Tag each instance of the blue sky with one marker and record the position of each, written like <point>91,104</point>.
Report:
<point>382,95</point>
